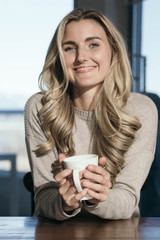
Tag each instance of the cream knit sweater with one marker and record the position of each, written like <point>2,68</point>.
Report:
<point>124,197</point>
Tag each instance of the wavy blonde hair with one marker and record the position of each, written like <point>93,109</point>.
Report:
<point>114,129</point>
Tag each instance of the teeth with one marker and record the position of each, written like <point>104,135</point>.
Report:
<point>84,68</point>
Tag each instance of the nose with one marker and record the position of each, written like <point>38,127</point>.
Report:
<point>82,55</point>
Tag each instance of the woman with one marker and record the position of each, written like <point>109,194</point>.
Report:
<point>85,106</point>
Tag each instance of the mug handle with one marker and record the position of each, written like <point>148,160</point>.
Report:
<point>77,180</point>
<point>77,183</point>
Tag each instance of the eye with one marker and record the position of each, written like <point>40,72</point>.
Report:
<point>94,45</point>
<point>69,49</point>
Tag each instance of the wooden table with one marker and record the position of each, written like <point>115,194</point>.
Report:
<point>79,228</point>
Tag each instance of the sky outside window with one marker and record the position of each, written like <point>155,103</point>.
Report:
<point>26,29</point>
<point>151,44</point>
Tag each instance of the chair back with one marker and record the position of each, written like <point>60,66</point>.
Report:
<point>150,194</point>
<point>28,183</point>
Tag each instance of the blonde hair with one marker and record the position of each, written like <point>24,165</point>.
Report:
<point>114,128</point>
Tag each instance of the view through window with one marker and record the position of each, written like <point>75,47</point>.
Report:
<point>150,44</point>
<point>26,31</point>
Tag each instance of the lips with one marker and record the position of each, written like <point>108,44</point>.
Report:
<point>84,69</point>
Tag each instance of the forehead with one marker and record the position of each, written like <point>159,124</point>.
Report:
<point>83,28</point>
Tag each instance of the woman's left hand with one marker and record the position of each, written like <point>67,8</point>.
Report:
<point>97,180</point>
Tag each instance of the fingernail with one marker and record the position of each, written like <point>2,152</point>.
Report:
<point>85,190</point>
<point>85,183</point>
<point>90,166</point>
<point>68,171</point>
<point>86,174</point>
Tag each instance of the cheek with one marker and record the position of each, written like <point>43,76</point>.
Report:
<point>104,65</point>
<point>66,59</point>
<point>69,59</point>
<point>69,63</point>
<point>106,62</point>
<point>103,58</point>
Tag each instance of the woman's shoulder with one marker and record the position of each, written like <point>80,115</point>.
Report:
<point>33,104</point>
<point>142,107</point>
<point>140,104</point>
<point>34,100</point>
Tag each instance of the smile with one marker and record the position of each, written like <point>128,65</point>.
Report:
<point>84,69</point>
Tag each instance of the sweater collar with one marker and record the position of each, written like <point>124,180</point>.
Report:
<point>86,115</point>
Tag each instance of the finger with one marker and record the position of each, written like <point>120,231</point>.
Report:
<point>69,202</point>
<point>79,196</point>
<point>93,177</point>
<point>96,187</point>
<point>61,176</point>
<point>81,173</point>
<point>61,157</point>
<point>102,161</point>
<point>72,199</point>
<point>98,170</point>
<point>100,197</point>
<point>97,174</point>
<point>68,189</point>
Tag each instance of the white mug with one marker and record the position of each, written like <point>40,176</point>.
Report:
<point>77,164</point>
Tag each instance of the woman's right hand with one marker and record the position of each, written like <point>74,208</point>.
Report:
<point>71,198</point>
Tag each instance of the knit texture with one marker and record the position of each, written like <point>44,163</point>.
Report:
<point>123,198</point>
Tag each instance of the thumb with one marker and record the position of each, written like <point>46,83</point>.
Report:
<point>102,161</point>
<point>61,157</point>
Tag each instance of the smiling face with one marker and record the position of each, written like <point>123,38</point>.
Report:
<point>87,54</point>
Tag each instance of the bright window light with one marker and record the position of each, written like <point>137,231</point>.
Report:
<point>27,27</point>
<point>150,44</point>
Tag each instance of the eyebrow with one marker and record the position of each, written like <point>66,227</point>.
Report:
<point>86,40</point>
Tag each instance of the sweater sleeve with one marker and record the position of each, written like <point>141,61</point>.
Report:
<point>48,202</point>
<point>123,198</point>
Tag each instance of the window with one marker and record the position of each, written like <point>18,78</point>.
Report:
<point>26,31</point>
<point>150,44</point>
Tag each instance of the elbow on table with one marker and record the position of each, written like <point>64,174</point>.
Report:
<point>127,214</point>
<point>114,214</point>
<point>122,216</point>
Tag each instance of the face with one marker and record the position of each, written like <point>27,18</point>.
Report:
<point>87,53</point>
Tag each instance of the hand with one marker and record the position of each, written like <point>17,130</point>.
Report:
<point>97,180</point>
<point>71,199</point>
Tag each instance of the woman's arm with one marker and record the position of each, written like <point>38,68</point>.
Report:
<point>123,198</point>
<point>48,202</point>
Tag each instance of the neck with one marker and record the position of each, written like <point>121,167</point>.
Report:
<point>84,100</point>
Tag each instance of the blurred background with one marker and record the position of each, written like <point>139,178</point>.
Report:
<point>26,28</point>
